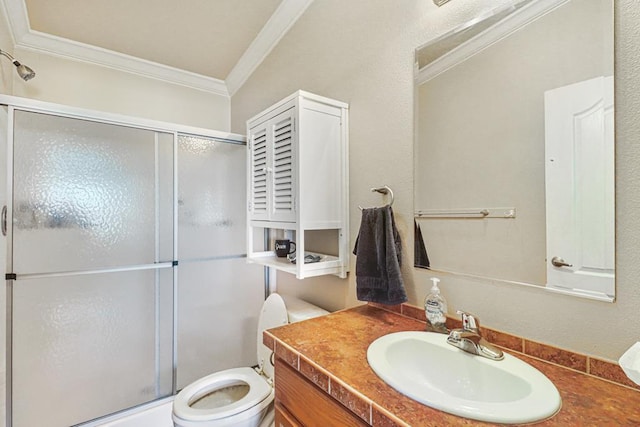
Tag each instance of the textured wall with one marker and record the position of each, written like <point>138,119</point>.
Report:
<point>361,52</point>
<point>85,85</point>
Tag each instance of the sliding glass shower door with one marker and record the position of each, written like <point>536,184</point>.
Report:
<point>92,224</point>
<point>219,294</point>
<point>126,270</point>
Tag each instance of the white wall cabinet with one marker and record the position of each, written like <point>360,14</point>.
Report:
<point>297,184</point>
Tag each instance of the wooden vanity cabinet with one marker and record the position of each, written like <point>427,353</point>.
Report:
<point>300,403</point>
<point>284,418</point>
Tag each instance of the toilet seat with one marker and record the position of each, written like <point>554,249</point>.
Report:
<point>256,407</point>
<point>259,390</point>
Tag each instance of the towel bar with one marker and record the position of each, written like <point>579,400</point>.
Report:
<point>479,213</point>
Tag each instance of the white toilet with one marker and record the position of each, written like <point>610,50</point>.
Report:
<point>241,396</point>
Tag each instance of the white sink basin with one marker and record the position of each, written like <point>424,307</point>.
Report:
<point>422,366</point>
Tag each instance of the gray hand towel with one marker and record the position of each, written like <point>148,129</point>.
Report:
<point>420,257</point>
<point>379,254</point>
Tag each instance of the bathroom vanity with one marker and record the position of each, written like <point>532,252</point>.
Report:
<point>322,378</point>
<point>300,402</point>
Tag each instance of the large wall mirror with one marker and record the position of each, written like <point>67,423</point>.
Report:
<point>514,153</point>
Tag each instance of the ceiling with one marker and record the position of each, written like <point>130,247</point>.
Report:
<point>208,44</point>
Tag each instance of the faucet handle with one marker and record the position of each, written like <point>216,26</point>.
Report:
<point>469,322</point>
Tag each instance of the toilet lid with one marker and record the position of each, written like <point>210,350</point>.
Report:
<point>273,314</point>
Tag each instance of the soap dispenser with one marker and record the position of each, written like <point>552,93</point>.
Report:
<point>435,308</point>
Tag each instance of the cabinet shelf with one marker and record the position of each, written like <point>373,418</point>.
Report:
<point>328,264</point>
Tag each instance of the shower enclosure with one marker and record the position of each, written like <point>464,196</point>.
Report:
<point>125,272</point>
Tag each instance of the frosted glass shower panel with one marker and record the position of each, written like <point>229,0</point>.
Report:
<point>89,195</point>
<point>90,345</point>
<point>211,198</point>
<point>218,307</point>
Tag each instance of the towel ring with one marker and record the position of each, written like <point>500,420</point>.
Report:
<point>383,190</point>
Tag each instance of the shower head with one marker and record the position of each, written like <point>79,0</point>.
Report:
<point>23,71</point>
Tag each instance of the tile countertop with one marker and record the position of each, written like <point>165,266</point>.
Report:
<point>331,352</point>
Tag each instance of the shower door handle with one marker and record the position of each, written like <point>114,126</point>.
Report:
<point>4,220</point>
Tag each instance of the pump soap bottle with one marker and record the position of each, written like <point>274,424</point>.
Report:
<point>435,307</point>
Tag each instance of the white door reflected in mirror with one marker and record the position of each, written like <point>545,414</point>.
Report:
<point>580,188</point>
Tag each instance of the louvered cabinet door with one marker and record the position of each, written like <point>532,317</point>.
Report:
<point>259,157</point>
<point>283,173</point>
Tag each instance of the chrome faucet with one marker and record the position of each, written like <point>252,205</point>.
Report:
<point>468,338</point>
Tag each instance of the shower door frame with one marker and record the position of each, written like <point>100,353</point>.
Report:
<point>12,104</point>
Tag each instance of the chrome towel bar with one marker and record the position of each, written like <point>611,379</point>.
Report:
<point>471,213</point>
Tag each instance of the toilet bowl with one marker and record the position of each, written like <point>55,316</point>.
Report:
<point>241,396</point>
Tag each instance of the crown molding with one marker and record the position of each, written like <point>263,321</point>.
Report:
<point>491,35</point>
<point>276,27</point>
<point>57,46</point>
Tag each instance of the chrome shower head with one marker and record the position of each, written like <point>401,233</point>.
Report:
<point>23,71</point>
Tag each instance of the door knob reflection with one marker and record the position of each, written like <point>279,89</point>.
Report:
<point>559,262</point>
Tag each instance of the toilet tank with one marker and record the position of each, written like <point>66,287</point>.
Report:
<point>298,310</point>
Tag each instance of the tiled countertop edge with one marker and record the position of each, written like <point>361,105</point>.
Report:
<point>349,397</point>
<point>600,368</point>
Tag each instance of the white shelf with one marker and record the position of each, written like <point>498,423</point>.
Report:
<point>328,264</point>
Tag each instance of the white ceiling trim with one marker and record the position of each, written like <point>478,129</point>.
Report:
<point>276,27</point>
<point>34,40</point>
<point>491,35</point>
